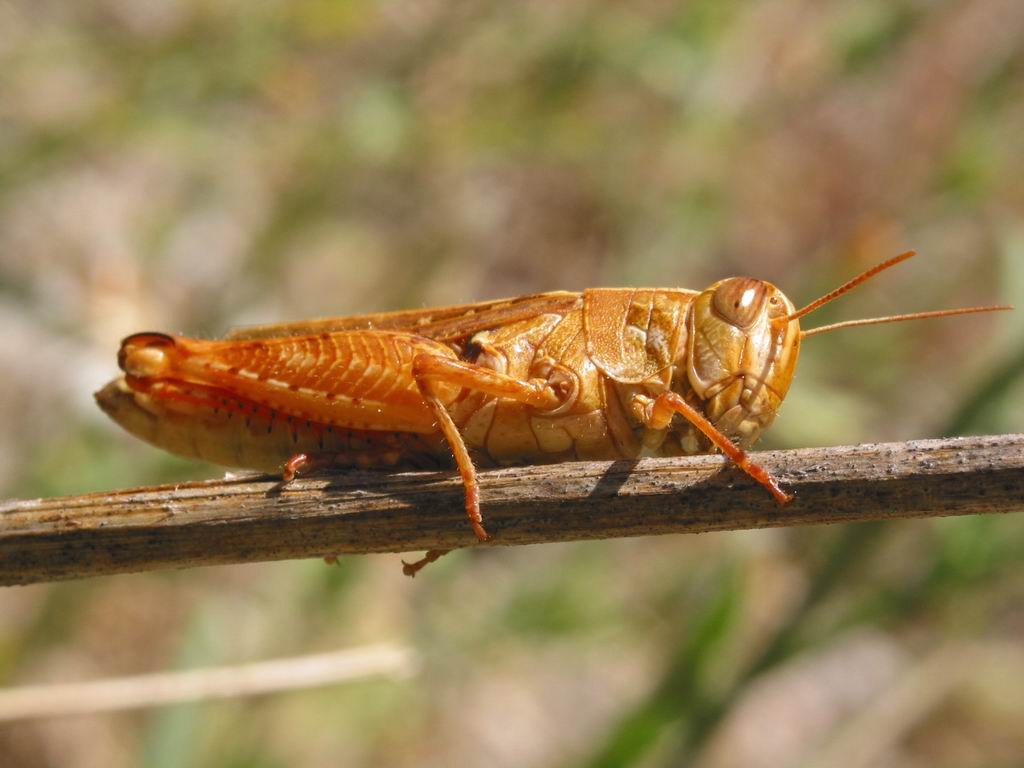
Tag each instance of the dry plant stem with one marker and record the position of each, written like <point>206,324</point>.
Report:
<point>250,519</point>
<point>164,688</point>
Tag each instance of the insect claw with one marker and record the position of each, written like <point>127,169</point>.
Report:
<point>294,466</point>
<point>411,569</point>
<point>772,485</point>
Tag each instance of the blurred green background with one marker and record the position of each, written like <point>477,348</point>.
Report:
<point>187,166</point>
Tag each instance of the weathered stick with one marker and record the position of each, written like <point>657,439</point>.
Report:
<point>253,518</point>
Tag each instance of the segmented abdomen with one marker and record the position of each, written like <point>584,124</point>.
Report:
<point>214,425</point>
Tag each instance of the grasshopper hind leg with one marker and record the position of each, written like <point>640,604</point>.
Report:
<point>428,369</point>
<point>463,460</point>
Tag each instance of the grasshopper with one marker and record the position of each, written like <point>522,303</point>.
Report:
<point>608,373</point>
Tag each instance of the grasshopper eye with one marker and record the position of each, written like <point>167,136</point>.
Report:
<point>740,300</point>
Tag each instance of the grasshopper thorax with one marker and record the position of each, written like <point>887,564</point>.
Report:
<point>741,354</point>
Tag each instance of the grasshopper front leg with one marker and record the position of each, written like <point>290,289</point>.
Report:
<point>658,413</point>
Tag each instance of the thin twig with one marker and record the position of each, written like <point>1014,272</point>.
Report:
<point>164,688</point>
<point>254,518</point>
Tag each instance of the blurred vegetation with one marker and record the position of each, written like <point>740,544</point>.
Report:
<point>188,166</point>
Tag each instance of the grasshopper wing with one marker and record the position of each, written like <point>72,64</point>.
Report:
<point>439,323</point>
<point>633,333</point>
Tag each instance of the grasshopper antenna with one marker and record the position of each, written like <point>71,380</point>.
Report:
<point>849,285</point>
<point>865,276</point>
<point>901,318</point>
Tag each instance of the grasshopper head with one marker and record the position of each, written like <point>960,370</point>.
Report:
<point>743,340</point>
<point>742,352</point>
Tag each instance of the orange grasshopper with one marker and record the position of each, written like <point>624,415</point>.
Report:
<point>609,373</point>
